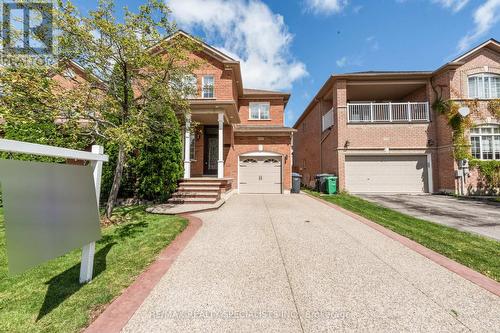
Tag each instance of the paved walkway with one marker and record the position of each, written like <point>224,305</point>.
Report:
<point>293,264</point>
<point>480,217</point>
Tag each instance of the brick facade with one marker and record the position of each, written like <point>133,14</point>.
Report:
<point>324,152</point>
<point>227,88</point>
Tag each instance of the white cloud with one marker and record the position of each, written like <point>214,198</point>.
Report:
<point>342,62</point>
<point>485,17</point>
<point>373,43</point>
<point>357,9</point>
<point>326,6</point>
<point>249,31</point>
<point>454,5</point>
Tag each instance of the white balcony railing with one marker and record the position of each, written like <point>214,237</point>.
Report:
<point>389,112</point>
<point>327,120</point>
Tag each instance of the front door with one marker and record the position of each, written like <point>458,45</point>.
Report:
<point>211,153</point>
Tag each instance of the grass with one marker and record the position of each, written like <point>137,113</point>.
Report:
<point>50,299</point>
<point>479,253</point>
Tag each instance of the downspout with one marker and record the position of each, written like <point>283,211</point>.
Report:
<point>320,135</point>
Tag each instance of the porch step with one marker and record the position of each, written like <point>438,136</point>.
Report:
<point>197,200</point>
<point>198,189</point>
<point>207,180</point>
<point>196,194</point>
<point>203,184</point>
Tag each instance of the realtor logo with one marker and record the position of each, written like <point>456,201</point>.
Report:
<point>27,28</point>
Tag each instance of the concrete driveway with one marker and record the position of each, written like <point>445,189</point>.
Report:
<point>481,217</point>
<point>292,264</point>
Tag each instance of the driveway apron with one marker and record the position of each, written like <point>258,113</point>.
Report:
<point>292,264</point>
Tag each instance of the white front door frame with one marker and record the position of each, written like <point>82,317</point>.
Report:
<point>187,147</point>
<point>220,162</point>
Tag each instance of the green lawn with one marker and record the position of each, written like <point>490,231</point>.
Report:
<point>49,297</point>
<point>479,253</point>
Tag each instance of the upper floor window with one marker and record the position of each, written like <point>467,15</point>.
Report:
<point>189,83</point>
<point>69,74</point>
<point>485,142</point>
<point>259,111</point>
<point>208,86</point>
<point>484,85</point>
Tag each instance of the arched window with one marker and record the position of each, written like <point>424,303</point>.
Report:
<point>484,85</point>
<point>250,161</point>
<point>271,160</point>
<point>485,142</point>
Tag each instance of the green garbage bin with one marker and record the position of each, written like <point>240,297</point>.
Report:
<point>331,185</point>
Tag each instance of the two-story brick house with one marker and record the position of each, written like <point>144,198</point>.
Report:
<point>234,137</point>
<point>378,132</point>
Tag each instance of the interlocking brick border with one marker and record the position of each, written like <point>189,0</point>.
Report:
<point>119,312</point>
<point>464,271</point>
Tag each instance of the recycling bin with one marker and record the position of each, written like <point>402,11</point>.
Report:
<point>296,182</point>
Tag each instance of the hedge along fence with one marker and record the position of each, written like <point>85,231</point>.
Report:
<point>489,173</point>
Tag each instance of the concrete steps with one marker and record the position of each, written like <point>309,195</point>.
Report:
<point>196,200</point>
<point>198,191</point>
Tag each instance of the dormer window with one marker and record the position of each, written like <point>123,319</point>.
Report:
<point>484,86</point>
<point>208,86</point>
<point>259,111</point>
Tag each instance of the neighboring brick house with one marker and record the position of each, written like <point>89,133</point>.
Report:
<point>234,137</point>
<point>377,130</point>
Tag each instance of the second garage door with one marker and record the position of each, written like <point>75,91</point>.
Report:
<point>260,175</point>
<point>386,174</point>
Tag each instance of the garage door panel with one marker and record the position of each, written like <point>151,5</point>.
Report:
<point>260,175</point>
<point>391,174</point>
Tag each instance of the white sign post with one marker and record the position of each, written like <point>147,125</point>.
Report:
<point>96,157</point>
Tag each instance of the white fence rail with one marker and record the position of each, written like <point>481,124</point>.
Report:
<point>388,112</point>
<point>327,120</point>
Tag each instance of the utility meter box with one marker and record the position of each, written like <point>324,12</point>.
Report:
<point>463,164</point>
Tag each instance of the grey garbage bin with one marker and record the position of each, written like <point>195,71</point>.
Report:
<point>321,182</point>
<point>296,182</point>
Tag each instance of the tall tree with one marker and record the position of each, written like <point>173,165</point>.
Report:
<point>132,66</point>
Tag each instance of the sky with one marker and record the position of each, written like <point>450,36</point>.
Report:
<point>295,45</point>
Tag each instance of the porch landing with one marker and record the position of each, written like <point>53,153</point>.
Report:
<point>176,209</point>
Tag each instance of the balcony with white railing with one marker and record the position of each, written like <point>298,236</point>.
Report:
<point>388,112</point>
<point>327,121</point>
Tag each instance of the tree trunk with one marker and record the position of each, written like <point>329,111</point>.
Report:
<point>113,194</point>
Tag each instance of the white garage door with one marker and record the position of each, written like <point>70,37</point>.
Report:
<point>260,174</point>
<point>386,174</point>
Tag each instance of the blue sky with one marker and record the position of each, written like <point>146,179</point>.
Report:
<point>295,45</point>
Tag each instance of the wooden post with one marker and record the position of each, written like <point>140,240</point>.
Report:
<point>88,251</point>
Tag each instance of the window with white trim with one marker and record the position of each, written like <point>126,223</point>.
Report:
<point>190,85</point>
<point>485,142</point>
<point>259,111</point>
<point>192,148</point>
<point>484,86</point>
<point>208,85</point>
<point>192,151</point>
<point>69,74</point>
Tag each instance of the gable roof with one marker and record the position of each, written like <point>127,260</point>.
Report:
<point>227,61</point>
<point>490,43</point>
<point>210,50</point>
